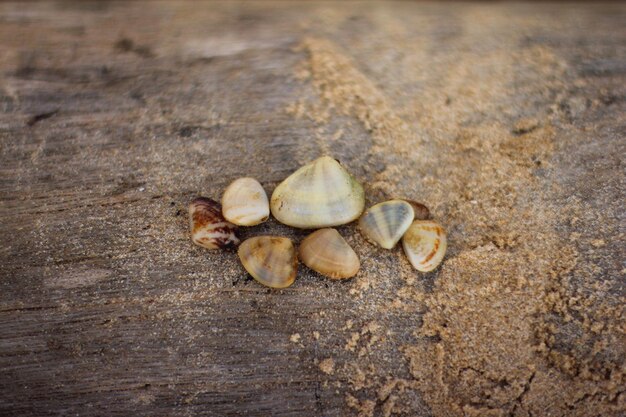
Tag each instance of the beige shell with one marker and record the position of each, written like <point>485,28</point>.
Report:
<point>320,194</point>
<point>208,227</point>
<point>271,260</point>
<point>326,252</point>
<point>385,223</point>
<point>425,244</point>
<point>245,203</point>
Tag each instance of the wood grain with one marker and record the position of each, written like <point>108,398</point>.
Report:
<point>113,116</point>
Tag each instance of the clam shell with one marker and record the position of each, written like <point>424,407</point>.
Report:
<point>385,223</point>
<point>326,252</point>
<point>320,194</point>
<point>245,203</point>
<point>208,227</point>
<point>271,260</point>
<point>421,211</point>
<point>425,244</point>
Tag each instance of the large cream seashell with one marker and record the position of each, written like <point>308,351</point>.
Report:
<point>209,229</point>
<point>271,260</point>
<point>425,244</point>
<point>326,252</point>
<point>385,223</point>
<point>245,203</point>
<point>320,194</point>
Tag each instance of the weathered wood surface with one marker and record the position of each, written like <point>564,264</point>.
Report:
<point>507,120</point>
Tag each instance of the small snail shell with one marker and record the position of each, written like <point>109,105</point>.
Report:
<point>209,229</point>
<point>271,260</point>
<point>425,244</point>
<point>320,194</point>
<point>385,223</point>
<point>326,252</point>
<point>245,203</point>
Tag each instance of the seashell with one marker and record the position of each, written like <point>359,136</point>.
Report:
<point>385,223</point>
<point>320,194</point>
<point>326,252</point>
<point>209,229</point>
<point>271,260</point>
<point>245,203</point>
<point>421,211</point>
<point>425,244</point>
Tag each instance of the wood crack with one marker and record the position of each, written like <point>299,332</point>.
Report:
<point>41,116</point>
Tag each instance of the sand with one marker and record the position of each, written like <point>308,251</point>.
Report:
<point>505,333</point>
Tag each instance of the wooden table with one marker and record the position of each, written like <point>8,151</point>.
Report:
<point>506,119</point>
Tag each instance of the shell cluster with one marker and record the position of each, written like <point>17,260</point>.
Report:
<point>319,195</point>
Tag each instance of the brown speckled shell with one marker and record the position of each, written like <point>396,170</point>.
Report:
<point>208,227</point>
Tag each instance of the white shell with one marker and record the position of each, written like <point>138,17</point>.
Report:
<point>208,227</point>
<point>245,203</point>
<point>271,260</point>
<point>326,252</point>
<point>385,223</point>
<point>425,244</point>
<point>320,194</point>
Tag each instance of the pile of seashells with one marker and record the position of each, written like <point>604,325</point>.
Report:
<point>320,195</point>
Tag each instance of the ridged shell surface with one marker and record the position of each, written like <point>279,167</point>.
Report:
<point>271,260</point>
<point>245,203</point>
<point>320,194</point>
<point>425,244</point>
<point>326,252</point>
<point>385,223</point>
<point>209,228</point>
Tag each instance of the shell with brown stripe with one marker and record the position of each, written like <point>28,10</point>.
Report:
<point>208,227</point>
<point>425,244</point>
